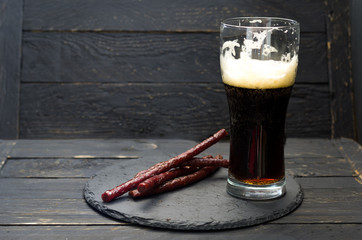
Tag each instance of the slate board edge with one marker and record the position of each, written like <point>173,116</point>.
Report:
<point>98,206</point>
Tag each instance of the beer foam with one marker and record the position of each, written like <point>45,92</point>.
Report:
<point>253,73</point>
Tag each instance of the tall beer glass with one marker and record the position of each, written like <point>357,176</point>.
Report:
<point>258,60</point>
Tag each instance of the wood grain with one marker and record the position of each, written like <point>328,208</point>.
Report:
<point>5,149</point>
<point>308,112</point>
<point>112,47</point>
<point>85,168</point>
<point>162,15</point>
<point>50,204</point>
<point>356,38</point>
<point>143,57</point>
<point>10,54</point>
<point>44,206</point>
<point>59,168</point>
<point>264,231</point>
<point>352,152</point>
<point>158,42</point>
<point>111,148</point>
<point>310,148</point>
<point>136,68</point>
<point>82,158</point>
<point>340,69</point>
<point>151,110</point>
<point>86,148</point>
<point>311,167</point>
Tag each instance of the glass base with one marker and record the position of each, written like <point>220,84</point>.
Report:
<point>254,192</point>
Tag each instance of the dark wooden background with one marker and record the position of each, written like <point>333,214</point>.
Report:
<point>150,68</point>
<point>356,29</point>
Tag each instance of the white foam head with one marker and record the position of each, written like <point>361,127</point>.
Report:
<point>253,73</point>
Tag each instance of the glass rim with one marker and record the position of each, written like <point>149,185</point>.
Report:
<point>293,23</point>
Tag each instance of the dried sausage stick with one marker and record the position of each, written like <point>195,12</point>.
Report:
<point>202,162</point>
<point>188,167</point>
<point>109,195</point>
<point>161,178</point>
<point>176,161</point>
<point>176,183</point>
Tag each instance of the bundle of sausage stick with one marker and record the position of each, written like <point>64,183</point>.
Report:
<point>174,173</point>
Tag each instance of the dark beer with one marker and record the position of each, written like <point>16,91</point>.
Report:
<point>257,121</point>
<point>258,62</point>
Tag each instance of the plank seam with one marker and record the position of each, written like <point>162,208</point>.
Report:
<point>5,155</point>
<point>350,157</point>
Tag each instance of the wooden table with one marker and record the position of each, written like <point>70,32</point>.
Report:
<point>41,183</point>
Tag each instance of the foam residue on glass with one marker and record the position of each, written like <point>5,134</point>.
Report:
<point>240,68</point>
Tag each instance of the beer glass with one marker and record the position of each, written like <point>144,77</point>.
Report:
<point>258,60</point>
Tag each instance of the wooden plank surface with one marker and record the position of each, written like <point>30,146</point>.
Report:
<point>340,69</point>
<point>43,195</point>
<point>169,51</point>
<point>82,158</point>
<point>5,148</point>
<point>85,148</point>
<point>152,110</point>
<point>84,168</point>
<point>111,148</point>
<point>144,58</point>
<point>162,15</point>
<point>55,202</point>
<point>269,231</point>
<point>59,168</point>
<point>356,47</point>
<point>352,153</point>
<point>11,12</point>
<point>107,85</point>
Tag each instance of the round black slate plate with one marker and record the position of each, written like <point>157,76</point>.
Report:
<point>204,205</point>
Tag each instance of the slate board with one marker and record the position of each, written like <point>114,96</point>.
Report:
<point>204,205</point>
